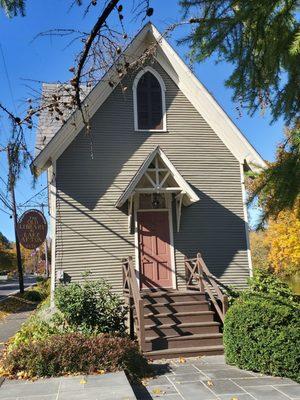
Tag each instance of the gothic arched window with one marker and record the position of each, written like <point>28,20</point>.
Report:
<point>149,98</point>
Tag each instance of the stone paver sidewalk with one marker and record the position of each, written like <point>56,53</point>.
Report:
<point>209,378</point>
<point>113,386</point>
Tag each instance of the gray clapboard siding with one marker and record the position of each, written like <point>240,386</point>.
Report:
<point>92,233</point>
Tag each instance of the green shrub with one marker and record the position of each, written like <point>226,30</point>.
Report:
<point>38,292</point>
<point>76,353</point>
<point>91,307</point>
<point>266,282</point>
<point>41,279</point>
<point>33,295</point>
<point>262,333</point>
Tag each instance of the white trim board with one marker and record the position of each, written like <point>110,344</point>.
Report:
<point>53,215</point>
<point>187,82</point>
<point>163,99</point>
<point>244,199</point>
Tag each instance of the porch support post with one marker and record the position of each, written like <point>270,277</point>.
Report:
<point>130,206</point>
<point>178,209</point>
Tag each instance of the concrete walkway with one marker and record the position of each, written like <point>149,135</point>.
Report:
<point>113,386</point>
<point>209,378</point>
<point>11,324</point>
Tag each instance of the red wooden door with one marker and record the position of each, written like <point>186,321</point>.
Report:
<point>154,249</point>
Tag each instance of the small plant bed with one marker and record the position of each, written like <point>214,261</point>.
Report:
<point>85,334</point>
<point>75,353</point>
<point>24,301</point>
<point>262,329</point>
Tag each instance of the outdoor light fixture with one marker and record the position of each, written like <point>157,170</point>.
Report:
<point>155,201</point>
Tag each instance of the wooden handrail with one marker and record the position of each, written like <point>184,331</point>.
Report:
<point>131,288</point>
<point>197,271</point>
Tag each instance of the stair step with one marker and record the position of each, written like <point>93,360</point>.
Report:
<point>178,306</point>
<point>185,341</point>
<point>171,297</point>
<point>181,329</point>
<point>179,317</point>
<point>185,352</point>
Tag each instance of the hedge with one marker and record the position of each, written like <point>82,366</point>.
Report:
<point>74,353</point>
<point>262,333</point>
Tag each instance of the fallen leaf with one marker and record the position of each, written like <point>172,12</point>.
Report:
<point>234,398</point>
<point>101,371</point>
<point>82,381</point>
<point>158,391</point>
<point>182,360</point>
<point>209,383</point>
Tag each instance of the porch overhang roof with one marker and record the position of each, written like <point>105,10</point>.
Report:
<point>188,194</point>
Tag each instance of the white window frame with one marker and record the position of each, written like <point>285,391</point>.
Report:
<point>163,100</point>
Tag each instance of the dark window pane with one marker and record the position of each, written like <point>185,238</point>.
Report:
<point>149,103</point>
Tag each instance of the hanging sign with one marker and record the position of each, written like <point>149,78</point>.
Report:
<point>32,229</point>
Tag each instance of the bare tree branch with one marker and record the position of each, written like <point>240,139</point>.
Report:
<point>96,28</point>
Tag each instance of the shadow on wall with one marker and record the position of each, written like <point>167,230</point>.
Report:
<point>213,230</point>
<point>89,187</point>
<point>206,226</point>
<point>114,143</point>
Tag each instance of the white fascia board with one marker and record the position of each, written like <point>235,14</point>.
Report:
<point>206,105</point>
<point>182,183</point>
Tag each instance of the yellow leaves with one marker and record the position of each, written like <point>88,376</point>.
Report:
<point>23,375</point>
<point>158,391</point>
<point>101,371</point>
<point>234,398</point>
<point>9,306</point>
<point>82,381</point>
<point>182,360</point>
<point>209,383</point>
<point>283,238</point>
<point>3,314</point>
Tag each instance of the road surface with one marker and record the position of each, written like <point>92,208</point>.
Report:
<point>11,287</point>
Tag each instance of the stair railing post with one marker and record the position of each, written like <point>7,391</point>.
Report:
<point>142,324</point>
<point>131,319</point>
<point>200,272</point>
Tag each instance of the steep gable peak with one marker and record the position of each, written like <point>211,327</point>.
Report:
<point>186,81</point>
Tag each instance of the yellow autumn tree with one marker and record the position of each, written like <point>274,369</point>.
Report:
<point>283,240</point>
<point>259,250</point>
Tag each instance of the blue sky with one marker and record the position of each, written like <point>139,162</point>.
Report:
<point>48,59</point>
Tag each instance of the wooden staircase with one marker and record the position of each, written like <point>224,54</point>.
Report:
<point>180,324</point>
<point>173,323</point>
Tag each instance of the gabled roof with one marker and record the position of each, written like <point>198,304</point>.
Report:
<point>189,194</point>
<point>187,82</point>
